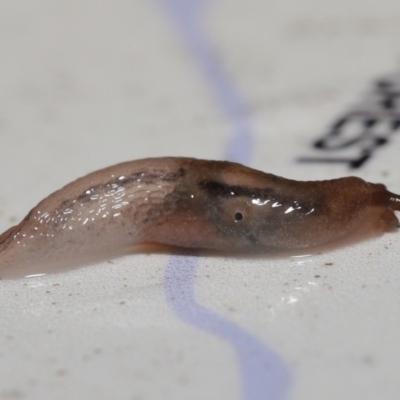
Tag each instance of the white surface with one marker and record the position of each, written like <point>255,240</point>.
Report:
<point>87,84</point>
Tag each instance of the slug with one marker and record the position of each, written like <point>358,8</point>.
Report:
<point>190,203</point>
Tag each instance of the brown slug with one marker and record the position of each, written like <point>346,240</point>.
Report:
<point>190,203</point>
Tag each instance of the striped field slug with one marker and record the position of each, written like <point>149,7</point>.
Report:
<point>190,203</point>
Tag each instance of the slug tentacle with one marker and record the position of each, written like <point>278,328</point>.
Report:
<point>383,196</point>
<point>191,203</point>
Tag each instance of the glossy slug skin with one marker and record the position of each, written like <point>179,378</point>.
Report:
<point>191,203</point>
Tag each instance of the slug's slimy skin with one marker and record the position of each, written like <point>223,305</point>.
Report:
<point>191,203</point>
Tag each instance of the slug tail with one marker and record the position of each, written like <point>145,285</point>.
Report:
<point>5,236</point>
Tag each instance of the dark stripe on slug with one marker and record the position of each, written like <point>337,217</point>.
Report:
<point>219,189</point>
<point>314,203</point>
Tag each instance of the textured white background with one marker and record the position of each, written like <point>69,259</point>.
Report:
<point>85,84</point>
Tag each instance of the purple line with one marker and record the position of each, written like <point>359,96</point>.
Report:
<point>264,374</point>
<point>186,15</point>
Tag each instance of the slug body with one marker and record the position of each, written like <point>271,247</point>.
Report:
<point>191,203</point>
